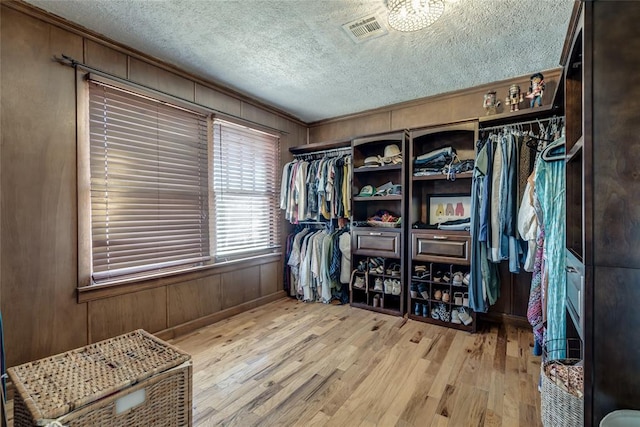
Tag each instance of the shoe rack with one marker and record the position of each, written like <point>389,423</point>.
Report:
<point>377,249</point>
<point>376,284</point>
<point>440,293</point>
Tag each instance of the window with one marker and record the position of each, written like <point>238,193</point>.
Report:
<point>149,186</point>
<point>245,193</point>
<point>163,187</point>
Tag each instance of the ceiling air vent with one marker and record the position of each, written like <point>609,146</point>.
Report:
<point>365,28</point>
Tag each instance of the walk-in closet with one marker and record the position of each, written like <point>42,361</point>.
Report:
<point>404,213</point>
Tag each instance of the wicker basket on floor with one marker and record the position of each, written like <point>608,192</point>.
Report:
<point>562,384</point>
<point>134,379</point>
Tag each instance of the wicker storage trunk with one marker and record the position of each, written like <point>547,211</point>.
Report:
<point>131,380</point>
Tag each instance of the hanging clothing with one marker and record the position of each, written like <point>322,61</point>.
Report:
<point>484,282</point>
<point>550,190</point>
<point>316,190</point>
<point>314,264</point>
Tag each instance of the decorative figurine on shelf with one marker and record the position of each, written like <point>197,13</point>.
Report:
<point>515,97</point>
<point>536,89</point>
<point>490,102</point>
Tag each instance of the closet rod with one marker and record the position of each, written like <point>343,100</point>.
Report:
<point>331,152</point>
<point>528,122</point>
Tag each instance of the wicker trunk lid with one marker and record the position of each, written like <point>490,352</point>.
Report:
<point>58,385</point>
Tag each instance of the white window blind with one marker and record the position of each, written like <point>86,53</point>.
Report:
<point>149,185</point>
<point>245,163</point>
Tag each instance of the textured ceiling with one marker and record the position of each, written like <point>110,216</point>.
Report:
<point>294,55</point>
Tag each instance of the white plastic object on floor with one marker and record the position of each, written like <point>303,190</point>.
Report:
<point>621,418</point>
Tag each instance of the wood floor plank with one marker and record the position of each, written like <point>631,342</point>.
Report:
<point>302,364</point>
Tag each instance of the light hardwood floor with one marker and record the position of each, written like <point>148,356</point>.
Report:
<point>291,363</point>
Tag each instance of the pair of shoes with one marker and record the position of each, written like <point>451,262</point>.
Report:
<point>457,278</point>
<point>464,316</point>
<point>423,289</point>
<point>435,313</point>
<point>376,300</point>
<point>418,269</point>
<point>457,298</point>
<point>359,282</point>
<point>394,270</point>
<point>387,286</point>
<point>445,296</point>
<point>455,318</point>
<point>392,286</point>
<point>445,316</point>
<point>414,290</point>
<point>396,287</point>
<point>377,286</point>
<point>417,309</point>
<point>362,266</point>
<point>376,265</point>
<point>425,310</point>
<point>421,272</point>
<point>466,278</point>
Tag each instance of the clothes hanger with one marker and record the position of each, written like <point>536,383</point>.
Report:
<point>554,151</point>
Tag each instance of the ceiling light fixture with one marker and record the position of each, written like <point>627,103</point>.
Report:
<point>414,15</point>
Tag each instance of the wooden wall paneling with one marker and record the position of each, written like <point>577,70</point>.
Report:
<point>616,176</point>
<point>270,278</point>
<point>218,101</point>
<point>521,290</point>
<point>110,317</point>
<point>159,79</point>
<point>616,365</point>
<point>503,305</point>
<point>105,59</point>
<point>439,109</point>
<point>240,286</point>
<point>194,299</point>
<point>359,125</point>
<point>258,115</point>
<point>39,235</point>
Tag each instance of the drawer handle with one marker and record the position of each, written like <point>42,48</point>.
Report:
<point>371,233</point>
<point>440,237</point>
<point>571,269</point>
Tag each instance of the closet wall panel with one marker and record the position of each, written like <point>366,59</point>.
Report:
<point>157,78</point>
<point>616,365</point>
<point>240,286</point>
<point>117,315</point>
<point>439,109</point>
<point>270,278</point>
<point>38,257</point>
<point>191,300</point>
<point>347,128</point>
<point>217,100</point>
<point>106,59</point>
<point>616,177</point>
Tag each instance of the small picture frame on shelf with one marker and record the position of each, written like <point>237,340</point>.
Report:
<point>448,207</point>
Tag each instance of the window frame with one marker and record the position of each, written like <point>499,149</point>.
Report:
<point>87,289</point>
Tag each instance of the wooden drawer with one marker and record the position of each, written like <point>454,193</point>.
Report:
<point>575,292</point>
<point>441,246</point>
<point>377,243</point>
